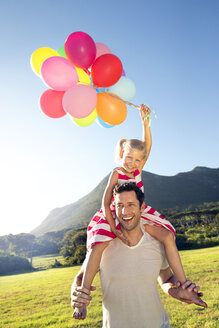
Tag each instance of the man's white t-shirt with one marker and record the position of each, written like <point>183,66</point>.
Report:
<point>129,284</point>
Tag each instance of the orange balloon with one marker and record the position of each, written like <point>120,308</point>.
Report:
<point>110,109</point>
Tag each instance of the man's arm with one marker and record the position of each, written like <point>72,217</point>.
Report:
<point>187,292</point>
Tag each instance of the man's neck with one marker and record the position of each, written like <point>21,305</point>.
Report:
<point>134,235</point>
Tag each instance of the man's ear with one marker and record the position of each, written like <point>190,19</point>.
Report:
<point>143,207</point>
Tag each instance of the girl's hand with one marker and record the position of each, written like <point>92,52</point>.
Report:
<point>120,235</point>
<point>144,112</point>
<point>190,286</point>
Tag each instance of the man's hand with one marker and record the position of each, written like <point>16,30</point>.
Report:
<point>189,293</point>
<point>80,296</point>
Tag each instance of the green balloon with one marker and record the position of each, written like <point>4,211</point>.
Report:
<point>61,52</point>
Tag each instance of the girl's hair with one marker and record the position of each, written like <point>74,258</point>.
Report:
<point>124,144</point>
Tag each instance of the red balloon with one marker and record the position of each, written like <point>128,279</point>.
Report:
<point>106,70</point>
<point>80,49</point>
<point>51,103</point>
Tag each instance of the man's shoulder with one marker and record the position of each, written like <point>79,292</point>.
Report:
<point>153,242</point>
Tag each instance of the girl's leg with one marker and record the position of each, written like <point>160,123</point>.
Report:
<point>167,239</point>
<point>90,270</point>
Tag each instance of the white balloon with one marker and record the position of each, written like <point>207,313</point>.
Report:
<point>124,88</point>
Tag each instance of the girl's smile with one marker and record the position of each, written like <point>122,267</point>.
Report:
<point>131,160</point>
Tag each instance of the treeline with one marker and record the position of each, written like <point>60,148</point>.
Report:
<point>28,245</point>
<point>16,251</point>
<point>74,246</point>
<point>196,227</point>
<point>169,212</point>
<point>12,263</point>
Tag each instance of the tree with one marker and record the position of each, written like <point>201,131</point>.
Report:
<point>12,263</point>
<point>74,248</point>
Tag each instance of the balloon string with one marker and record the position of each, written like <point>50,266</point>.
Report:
<point>127,102</point>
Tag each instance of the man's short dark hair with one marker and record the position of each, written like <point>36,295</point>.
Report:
<point>130,186</point>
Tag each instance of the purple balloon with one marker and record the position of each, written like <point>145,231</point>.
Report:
<point>123,73</point>
<point>80,49</point>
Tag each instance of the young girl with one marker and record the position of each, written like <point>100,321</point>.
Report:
<point>133,155</point>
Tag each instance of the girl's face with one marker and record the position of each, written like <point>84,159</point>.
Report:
<point>131,159</point>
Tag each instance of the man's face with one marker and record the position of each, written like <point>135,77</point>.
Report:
<point>128,210</point>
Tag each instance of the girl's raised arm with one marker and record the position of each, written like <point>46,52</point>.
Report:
<point>146,138</point>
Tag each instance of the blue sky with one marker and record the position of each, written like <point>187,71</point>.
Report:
<point>170,51</point>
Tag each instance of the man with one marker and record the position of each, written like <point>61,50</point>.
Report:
<point>129,274</point>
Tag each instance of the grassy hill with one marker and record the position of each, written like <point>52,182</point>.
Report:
<point>161,192</point>
<point>41,299</point>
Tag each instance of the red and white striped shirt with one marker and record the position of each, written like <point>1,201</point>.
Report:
<point>99,229</point>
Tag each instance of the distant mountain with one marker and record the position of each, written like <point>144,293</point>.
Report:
<point>190,188</point>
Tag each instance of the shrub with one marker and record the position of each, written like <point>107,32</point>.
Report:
<point>12,263</point>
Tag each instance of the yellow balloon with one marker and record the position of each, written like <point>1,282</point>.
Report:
<point>39,56</point>
<point>83,77</point>
<point>86,120</point>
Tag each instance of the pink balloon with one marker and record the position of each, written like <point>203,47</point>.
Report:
<point>102,49</point>
<point>58,73</point>
<point>80,101</point>
<point>80,49</point>
<point>51,103</point>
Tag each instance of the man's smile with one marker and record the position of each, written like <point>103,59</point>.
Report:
<point>129,218</point>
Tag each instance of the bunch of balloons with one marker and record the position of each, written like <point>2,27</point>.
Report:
<point>85,80</point>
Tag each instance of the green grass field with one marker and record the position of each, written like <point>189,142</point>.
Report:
<point>42,298</point>
<point>44,261</point>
